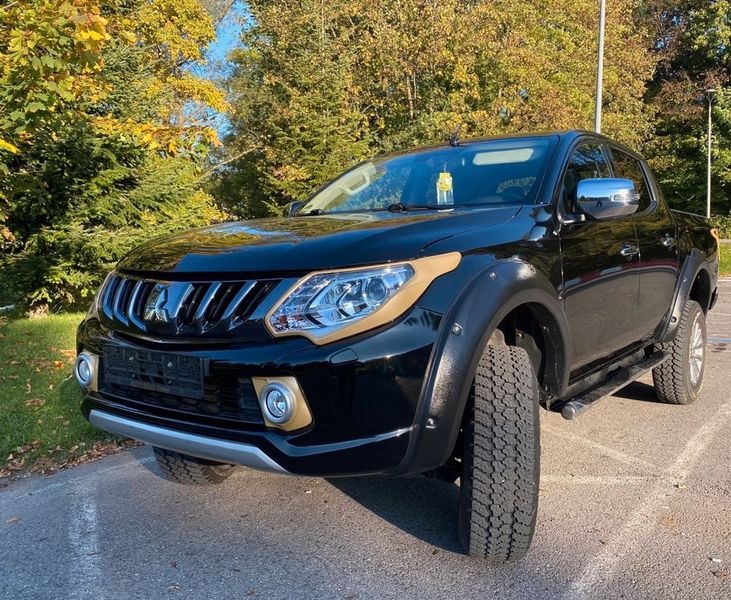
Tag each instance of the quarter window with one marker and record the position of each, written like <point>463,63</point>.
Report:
<point>628,167</point>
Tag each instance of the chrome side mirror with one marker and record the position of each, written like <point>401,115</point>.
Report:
<point>607,198</point>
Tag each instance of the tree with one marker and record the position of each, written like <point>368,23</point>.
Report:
<point>693,45</point>
<point>105,134</point>
<point>320,84</point>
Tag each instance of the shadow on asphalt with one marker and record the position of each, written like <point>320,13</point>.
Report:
<point>423,507</point>
<point>638,391</point>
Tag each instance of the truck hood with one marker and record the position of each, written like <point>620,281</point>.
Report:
<point>307,243</point>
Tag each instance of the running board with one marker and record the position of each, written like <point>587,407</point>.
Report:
<point>620,378</point>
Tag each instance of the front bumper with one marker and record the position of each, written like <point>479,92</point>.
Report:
<point>187,443</point>
<point>363,394</point>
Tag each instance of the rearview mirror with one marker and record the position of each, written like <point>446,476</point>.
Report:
<point>607,198</point>
<point>293,208</point>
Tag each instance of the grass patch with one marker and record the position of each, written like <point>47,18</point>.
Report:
<point>724,267</point>
<point>41,427</point>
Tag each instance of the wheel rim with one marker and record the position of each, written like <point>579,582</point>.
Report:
<point>696,353</point>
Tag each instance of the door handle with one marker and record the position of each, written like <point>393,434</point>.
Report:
<point>668,241</point>
<point>629,250</point>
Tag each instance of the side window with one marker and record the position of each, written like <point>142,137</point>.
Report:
<point>588,161</point>
<point>628,167</point>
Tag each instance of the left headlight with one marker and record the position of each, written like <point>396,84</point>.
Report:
<point>331,305</point>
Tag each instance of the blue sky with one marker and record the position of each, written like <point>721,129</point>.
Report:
<point>216,67</point>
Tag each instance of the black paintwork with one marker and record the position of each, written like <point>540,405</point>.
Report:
<point>371,396</point>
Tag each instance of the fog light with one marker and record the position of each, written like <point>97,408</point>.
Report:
<point>85,370</point>
<point>278,403</point>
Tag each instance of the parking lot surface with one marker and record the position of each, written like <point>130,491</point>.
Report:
<point>635,502</point>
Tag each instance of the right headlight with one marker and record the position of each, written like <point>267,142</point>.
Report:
<point>331,305</point>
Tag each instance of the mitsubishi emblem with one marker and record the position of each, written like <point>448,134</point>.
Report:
<point>155,307</point>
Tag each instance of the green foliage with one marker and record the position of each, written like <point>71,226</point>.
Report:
<point>695,54</point>
<point>103,136</point>
<point>320,85</point>
<point>73,195</point>
<point>723,224</point>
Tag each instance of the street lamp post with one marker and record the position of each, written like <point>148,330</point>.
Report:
<point>600,67</point>
<point>710,95</point>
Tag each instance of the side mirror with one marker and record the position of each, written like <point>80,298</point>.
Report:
<point>607,198</point>
<point>293,208</point>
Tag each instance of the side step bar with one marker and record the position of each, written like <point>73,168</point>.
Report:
<point>620,378</point>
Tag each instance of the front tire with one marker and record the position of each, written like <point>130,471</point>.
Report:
<point>501,461</point>
<point>189,470</point>
<point>679,379</point>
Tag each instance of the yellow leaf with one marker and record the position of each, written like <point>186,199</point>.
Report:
<point>8,146</point>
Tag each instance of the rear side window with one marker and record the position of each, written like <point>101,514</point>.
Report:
<point>628,167</point>
<point>587,161</point>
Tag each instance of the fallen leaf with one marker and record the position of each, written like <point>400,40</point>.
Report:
<point>35,402</point>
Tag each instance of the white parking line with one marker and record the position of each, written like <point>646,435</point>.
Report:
<point>597,479</point>
<point>600,569</point>
<point>617,455</point>
<point>84,567</point>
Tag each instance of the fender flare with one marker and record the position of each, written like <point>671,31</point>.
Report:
<point>479,307</point>
<point>694,263</point>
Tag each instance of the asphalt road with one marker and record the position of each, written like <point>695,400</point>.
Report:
<point>635,503</point>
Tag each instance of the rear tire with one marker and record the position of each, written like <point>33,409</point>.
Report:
<point>189,470</point>
<point>679,379</point>
<point>501,461</point>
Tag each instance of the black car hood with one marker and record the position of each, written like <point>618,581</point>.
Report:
<point>307,243</point>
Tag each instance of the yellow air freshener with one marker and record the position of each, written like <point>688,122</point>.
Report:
<point>445,193</point>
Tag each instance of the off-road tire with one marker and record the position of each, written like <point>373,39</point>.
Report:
<point>673,380</point>
<point>501,462</point>
<point>189,470</point>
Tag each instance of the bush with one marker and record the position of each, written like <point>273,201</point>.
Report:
<point>723,224</point>
<point>80,204</point>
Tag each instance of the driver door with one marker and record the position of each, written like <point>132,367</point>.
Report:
<point>600,261</point>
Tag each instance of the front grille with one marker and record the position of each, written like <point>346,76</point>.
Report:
<point>181,309</point>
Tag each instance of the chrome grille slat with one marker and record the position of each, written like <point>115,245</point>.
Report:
<point>118,309</point>
<point>175,309</point>
<point>237,299</point>
<point>132,304</point>
<point>205,302</point>
<point>110,286</point>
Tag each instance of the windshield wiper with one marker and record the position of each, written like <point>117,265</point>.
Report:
<point>401,207</point>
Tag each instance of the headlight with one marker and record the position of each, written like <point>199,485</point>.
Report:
<point>331,305</point>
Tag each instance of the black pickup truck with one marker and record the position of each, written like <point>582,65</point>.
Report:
<point>411,317</point>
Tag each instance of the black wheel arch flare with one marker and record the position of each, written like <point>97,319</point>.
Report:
<point>694,264</point>
<point>480,305</point>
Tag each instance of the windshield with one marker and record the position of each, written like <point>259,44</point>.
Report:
<point>495,172</point>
